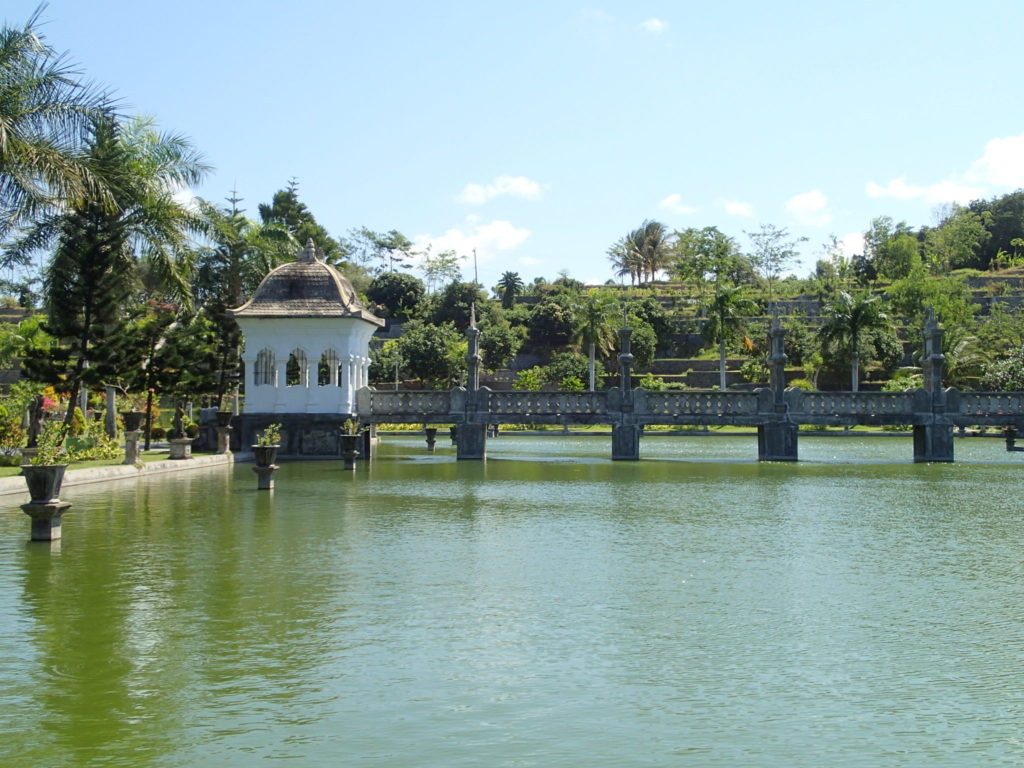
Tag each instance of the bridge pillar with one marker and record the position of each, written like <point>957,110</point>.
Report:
<point>625,442</point>
<point>471,441</point>
<point>777,441</point>
<point>933,443</point>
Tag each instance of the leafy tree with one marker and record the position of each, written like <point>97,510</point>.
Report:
<point>565,365</point>
<point>707,255</point>
<point>386,363</point>
<point>773,249</point>
<point>551,324</point>
<point>726,311</point>
<point>848,319</point>
<point>285,209</point>
<point>238,254</point>
<point>892,248</point>
<point>653,313</point>
<point>594,328</point>
<point>1005,374</point>
<point>1004,221</point>
<point>643,343</point>
<point>510,286</point>
<point>914,294</point>
<point>93,267</point>
<point>433,353</point>
<point>500,342</point>
<point>454,303</point>
<point>441,269</point>
<point>46,120</point>
<point>390,249</point>
<point>529,380</point>
<point>399,293</point>
<point>957,241</point>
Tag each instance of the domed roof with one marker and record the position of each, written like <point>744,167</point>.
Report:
<point>306,288</point>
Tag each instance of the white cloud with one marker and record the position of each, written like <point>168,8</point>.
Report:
<point>514,186</point>
<point>674,203</point>
<point>186,199</point>
<point>999,169</point>
<point>654,26</point>
<point>488,239</point>
<point>736,208</point>
<point>1002,164</point>
<point>810,208</point>
<point>941,192</point>
<point>852,244</point>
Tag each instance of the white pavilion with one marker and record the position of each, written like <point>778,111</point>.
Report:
<point>307,340</point>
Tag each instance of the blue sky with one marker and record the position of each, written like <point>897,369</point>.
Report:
<point>541,132</point>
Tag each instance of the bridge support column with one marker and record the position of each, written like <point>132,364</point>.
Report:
<point>625,442</point>
<point>933,443</point>
<point>777,441</point>
<point>471,441</point>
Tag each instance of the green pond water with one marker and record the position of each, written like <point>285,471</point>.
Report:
<point>546,608</point>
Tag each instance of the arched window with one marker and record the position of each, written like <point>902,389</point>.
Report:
<point>295,374</point>
<point>328,363</point>
<point>263,374</point>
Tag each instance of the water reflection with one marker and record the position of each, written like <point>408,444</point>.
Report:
<point>695,608</point>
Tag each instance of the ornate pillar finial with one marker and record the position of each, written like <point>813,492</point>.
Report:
<point>308,254</point>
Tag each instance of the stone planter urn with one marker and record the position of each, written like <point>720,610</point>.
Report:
<point>431,433</point>
<point>265,468</point>
<point>224,418</point>
<point>350,449</point>
<point>45,508</point>
<point>181,448</point>
<point>132,420</point>
<point>44,481</point>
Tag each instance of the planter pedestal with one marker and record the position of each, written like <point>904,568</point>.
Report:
<point>131,446</point>
<point>46,518</point>
<point>265,477</point>
<point>181,448</point>
<point>431,438</point>
<point>223,440</point>
<point>265,468</point>
<point>349,450</point>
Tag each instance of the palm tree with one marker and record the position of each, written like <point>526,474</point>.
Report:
<point>594,329</point>
<point>643,252</point>
<point>848,320</point>
<point>46,118</point>
<point>509,286</point>
<point>725,312</point>
<point>101,246</point>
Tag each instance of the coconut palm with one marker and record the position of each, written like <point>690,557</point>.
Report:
<point>643,252</point>
<point>848,321</point>
<point>102,246</point>
<point>509,286</point>
<point>46,118</point>
<point>725,312</point>
<point>593,327</point>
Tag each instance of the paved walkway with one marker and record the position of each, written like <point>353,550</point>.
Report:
<point>16,484</point>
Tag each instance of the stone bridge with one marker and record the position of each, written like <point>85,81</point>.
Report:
<point>932,411</point>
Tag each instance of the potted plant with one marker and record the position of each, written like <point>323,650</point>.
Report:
<point>265,449</point>
<point>350,442</point>
<point>44,472</point>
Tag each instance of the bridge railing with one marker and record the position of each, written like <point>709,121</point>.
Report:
<point>663,404</point>
<point>539,404</point>
<point>990,406</point>
<point>403,405</point>
<point>852,403</point>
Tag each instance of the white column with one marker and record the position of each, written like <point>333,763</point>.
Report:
<point>249,363</point>
<point>280,380</point>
